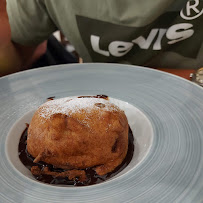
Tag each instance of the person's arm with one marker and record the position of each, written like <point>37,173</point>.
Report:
<point>14,57</point>
<point>24,30</point>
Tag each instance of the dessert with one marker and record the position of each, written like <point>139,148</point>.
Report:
<point>75,134</point>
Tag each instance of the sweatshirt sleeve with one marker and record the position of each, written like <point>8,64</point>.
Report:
<point>29,21</point>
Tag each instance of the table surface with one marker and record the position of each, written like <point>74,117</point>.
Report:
<point>185,73</point>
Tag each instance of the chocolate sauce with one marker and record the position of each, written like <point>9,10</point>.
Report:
<point>92,176</point>
<point>51,98</point>
<point>102,96</point>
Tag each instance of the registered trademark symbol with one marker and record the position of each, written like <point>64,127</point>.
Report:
<point>193,10</point>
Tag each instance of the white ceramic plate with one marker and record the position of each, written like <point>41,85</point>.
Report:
<point>171,107</point>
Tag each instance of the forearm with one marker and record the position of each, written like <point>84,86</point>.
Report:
<point>10,60</point>
<point>14,57</point>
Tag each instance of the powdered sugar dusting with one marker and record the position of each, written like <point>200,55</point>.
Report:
<point>69,106</point>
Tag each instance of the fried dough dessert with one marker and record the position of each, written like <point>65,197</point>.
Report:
<point>74,134</point>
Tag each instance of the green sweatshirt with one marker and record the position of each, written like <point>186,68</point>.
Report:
<point>159,33</point>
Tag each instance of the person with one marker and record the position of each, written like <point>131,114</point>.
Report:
<point>166,33</point>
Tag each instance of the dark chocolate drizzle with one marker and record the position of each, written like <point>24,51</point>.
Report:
<point>102,96</point>
<point>92,176</point>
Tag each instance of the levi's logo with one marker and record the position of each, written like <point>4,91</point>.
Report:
<point>110,42</point>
